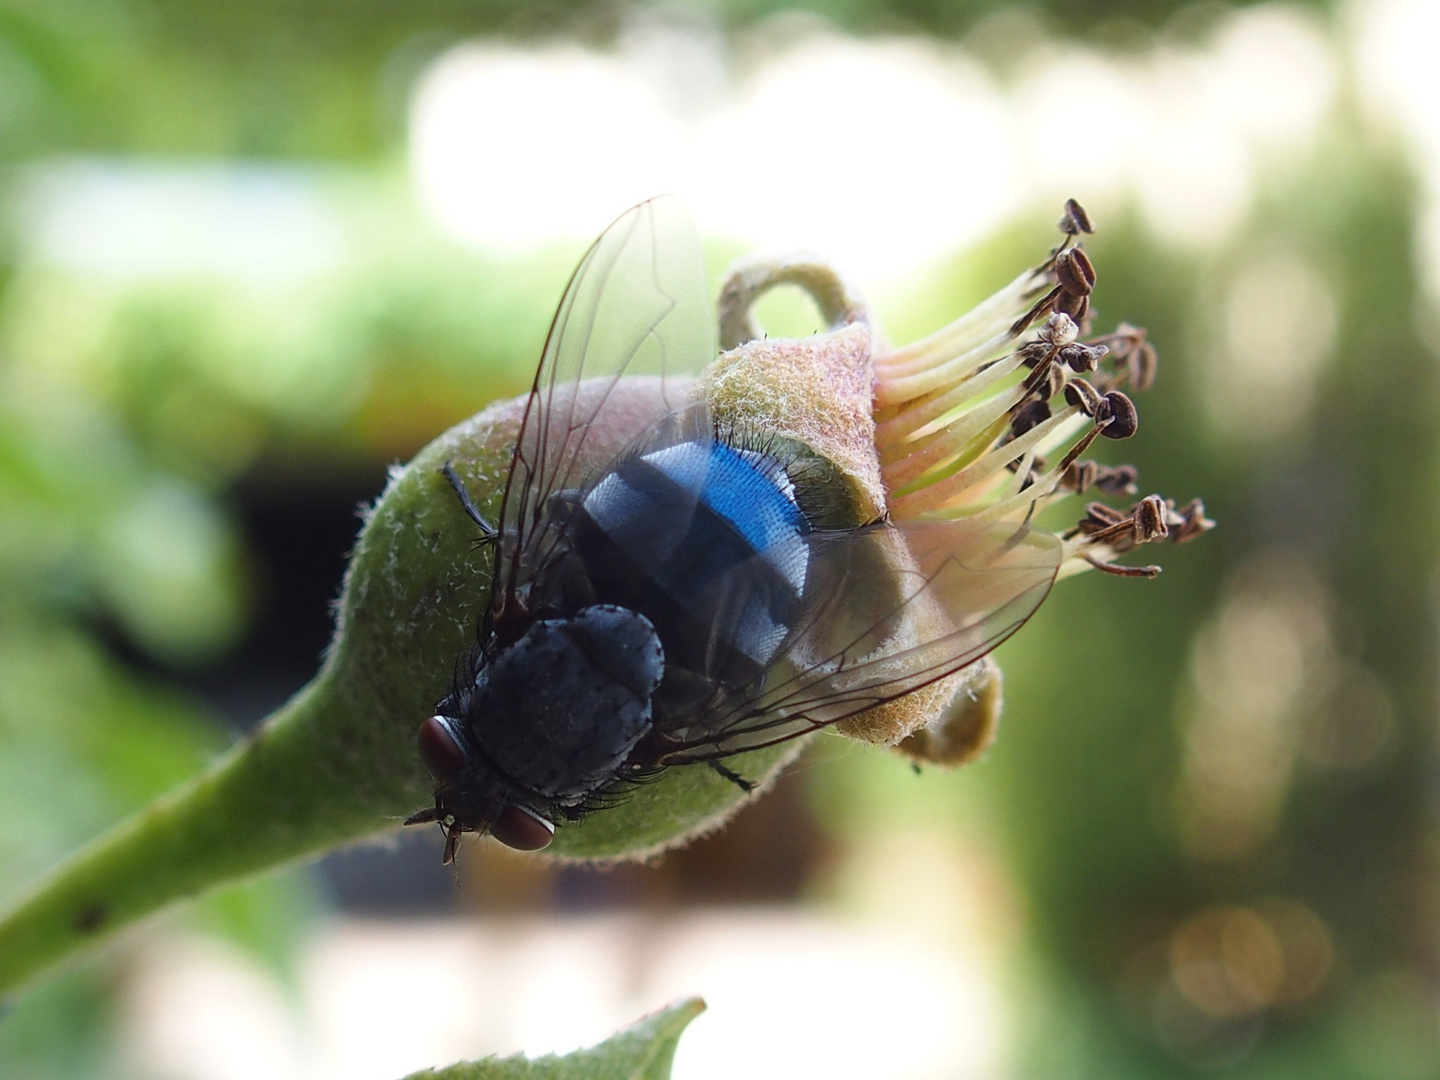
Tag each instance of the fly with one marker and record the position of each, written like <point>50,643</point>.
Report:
<point>675,604</point>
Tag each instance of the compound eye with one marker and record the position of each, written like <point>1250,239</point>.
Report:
<point>522,829</point>
<point>440,750</point>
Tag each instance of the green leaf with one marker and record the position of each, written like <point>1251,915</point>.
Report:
<point>643,1051</point>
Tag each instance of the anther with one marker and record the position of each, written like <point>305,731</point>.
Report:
<point>1098,517</point>
<point>1080,357</point>
<point>1075,272</point>
<point>1141,366</point>
<point>1132,352</point>
<point>1029,415</point>
<point>1033,352</point>
<point>1104,525</point>
<point>1149,515</point>
<point>1117,413</point>
<point>1083,396</point>
<point>1075,220</point>
<point>1080,476</point>
<point>1119,480</point>
<point>1188,522</point>
<point>1059,330</point>
<point>1077,307</point>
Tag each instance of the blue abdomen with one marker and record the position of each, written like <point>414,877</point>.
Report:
<point>707,542</point>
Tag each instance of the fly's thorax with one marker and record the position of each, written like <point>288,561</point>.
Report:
<point>557,713</point>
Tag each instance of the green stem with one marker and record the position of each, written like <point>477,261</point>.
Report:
<point>242,816</point>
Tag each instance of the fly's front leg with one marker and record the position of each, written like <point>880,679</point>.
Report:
<point>489,534</point>
<point>731,775</point>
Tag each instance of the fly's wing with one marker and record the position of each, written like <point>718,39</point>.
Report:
<point>876,635</point>
<point>635,306</point>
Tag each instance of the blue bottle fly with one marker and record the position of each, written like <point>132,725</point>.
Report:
<point>677,603</point>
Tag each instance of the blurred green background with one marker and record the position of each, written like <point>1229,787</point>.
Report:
<point>252,254</point>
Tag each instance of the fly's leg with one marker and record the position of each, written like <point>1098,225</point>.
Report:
<point>734,777</point>
<point>489,533</point>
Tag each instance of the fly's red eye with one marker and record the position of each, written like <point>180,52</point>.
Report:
<point>440,751</point>
<point>522,829</point>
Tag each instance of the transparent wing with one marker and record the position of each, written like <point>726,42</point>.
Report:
<point>901,607</point>
<point>635,306</point>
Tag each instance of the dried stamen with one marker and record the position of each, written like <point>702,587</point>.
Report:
<point>1083,396</point>
<point>1033,412</point>
<point>1119,480</point>
<point>1074,271</point>
<point>1118,415</point>
<point>970,420</point>
<point>1075,306</point>
<point>1081,357</point>
<point>1081,476</point>
<point>1075,220</point>
<point>1132,352</point>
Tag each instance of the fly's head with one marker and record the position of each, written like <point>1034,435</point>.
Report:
<point>542,726</point>
<point>470,796</point>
